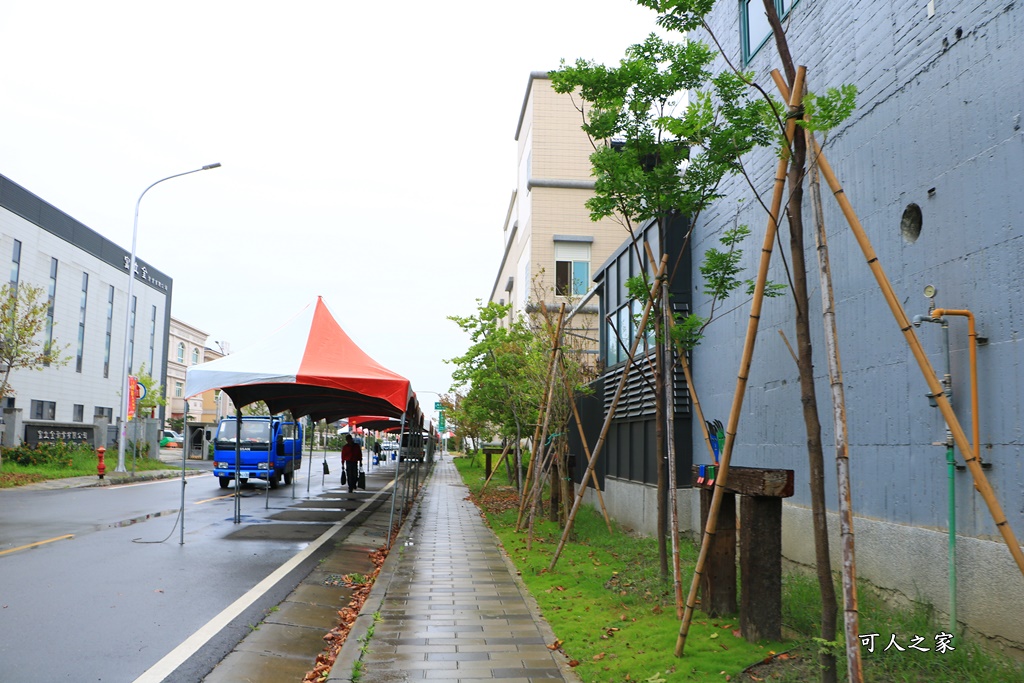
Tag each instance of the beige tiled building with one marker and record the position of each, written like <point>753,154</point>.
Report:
<point>552,248</point>
<point>187,347</point>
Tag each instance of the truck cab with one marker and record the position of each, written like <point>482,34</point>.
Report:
<point>270,449</point>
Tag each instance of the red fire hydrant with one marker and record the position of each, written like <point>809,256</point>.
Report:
<point>100,467</point>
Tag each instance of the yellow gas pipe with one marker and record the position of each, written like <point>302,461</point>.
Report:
<point>973,354</point>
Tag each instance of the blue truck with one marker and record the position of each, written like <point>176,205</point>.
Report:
<point>270,450</point>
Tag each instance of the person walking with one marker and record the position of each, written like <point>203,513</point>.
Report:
<point>351,459</point>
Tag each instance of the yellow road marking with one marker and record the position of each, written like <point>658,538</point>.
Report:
<point>36,544</point>
<point>230,495</point>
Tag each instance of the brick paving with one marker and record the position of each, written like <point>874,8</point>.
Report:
<point>451,609</point>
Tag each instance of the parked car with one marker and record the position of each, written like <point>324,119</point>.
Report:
<point>171,439</point>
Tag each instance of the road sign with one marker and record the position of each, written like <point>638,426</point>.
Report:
<point>440,424</point>
<point>438,405</point>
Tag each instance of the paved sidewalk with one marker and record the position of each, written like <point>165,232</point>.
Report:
<point>451,608</point>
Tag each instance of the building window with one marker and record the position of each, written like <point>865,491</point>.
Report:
<point>79,413</point>
<point>110,322</point>
<point>572,268</point>
<point>131,336</point>
<point>754,27</point>
<point>15,264</point>
<point>178,390</point>
<point>107,413</point>
<point>181,352</point>
<point>152,337</point>
<point>44,410</point>
<point>195,355</point>
<point>81,323</point>
<point>51,294</point>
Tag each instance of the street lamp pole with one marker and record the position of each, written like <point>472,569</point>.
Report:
<point>128,318</point>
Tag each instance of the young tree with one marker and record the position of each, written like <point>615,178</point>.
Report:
<point>657,155</point>
<point>154,392</point>
<point>23,317</point>
<point>497,372</point>
<point>689,15</point>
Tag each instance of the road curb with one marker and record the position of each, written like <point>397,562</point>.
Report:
<point>352,649</point>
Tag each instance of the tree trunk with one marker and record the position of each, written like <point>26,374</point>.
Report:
<point>805,363</point>
<point>555,489</point>
<point>809,401</point>
<point>659,430</point>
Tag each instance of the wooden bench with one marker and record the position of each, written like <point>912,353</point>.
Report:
<point>761,492</point>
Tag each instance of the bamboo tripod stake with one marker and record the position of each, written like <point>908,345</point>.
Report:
<point>741,380</point>
<point>586,452</point>
<point>851,624</point>
<point>608,418</point>
<point>959,436</point>
<point>931,378</point>
<point>539,471</point>
<point>536,435</point>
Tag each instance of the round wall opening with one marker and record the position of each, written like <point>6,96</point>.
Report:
<point>910,224</point>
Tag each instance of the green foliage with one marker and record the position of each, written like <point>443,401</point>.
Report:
<point>720,268</point>
<point>23,320</point>
<point>256,408</point>
<point>498,373</point>
<point>154,392</point>
<point>47,455</point>
<point>615,615</point>
<point>825,112</point>
<point>661,160</point>
<point>666,160</point>
<point>688,330</point>
<point>25,464</point>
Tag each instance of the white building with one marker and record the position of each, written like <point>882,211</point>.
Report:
<point>85,277</point>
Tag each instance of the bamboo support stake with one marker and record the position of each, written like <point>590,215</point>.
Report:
<point>854,669</point>
<point>685,365</point>
<point>741,379</point>
<point>523,497</point>
<point>608,418</point>
<point>931,378</point>
<point>586,452</point>
<point>538,478</point>
<point>670,451</point>
<point>959,436</point>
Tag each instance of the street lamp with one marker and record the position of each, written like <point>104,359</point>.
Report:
<point>128,317</point>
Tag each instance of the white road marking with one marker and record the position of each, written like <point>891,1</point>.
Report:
<point>176,657</point>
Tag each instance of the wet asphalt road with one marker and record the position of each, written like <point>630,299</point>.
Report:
<point>107,603</point>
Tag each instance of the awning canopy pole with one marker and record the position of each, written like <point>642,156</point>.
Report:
<point>394,488</point>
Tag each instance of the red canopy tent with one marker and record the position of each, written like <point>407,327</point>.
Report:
<point>309,366</point>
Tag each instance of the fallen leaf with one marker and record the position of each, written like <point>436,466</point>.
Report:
<point>737,633</point>
<point>555,645</point>
<point>599,656</point>
<point>714,635</point>
<point>574,662</point>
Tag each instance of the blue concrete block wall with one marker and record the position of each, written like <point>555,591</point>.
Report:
<point>935,110</point>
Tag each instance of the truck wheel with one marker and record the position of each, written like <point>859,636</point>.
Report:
<point>224,481</point>
<point>273,478</point>
<point>288,477</point>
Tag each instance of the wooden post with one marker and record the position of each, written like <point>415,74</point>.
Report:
<point>761,568</point>
<point>718,583</point>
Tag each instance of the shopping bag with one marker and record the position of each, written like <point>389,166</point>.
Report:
<point>327,470</point>
<point>362,480</point>
<point>344,479</point>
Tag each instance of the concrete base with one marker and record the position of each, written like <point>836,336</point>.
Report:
<point>908,563</point>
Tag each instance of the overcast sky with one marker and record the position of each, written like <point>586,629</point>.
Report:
<point>368,148</point>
